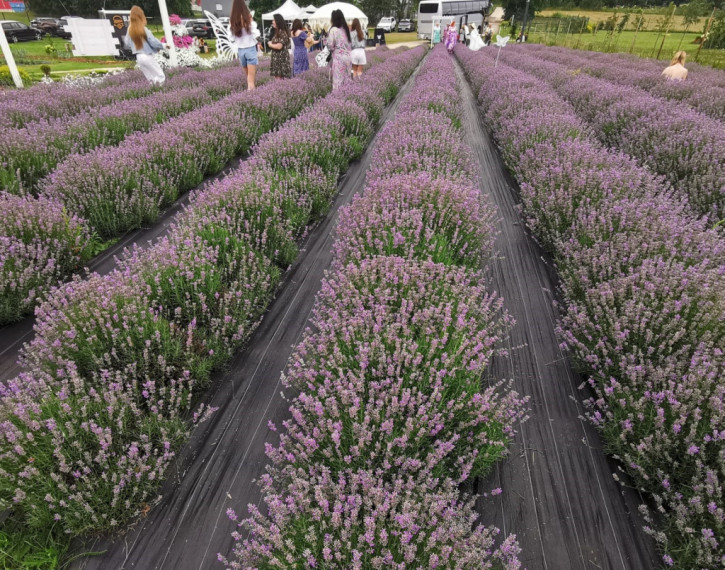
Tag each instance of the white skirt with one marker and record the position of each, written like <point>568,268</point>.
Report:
<point>357,56</point>
<point>150,68</point>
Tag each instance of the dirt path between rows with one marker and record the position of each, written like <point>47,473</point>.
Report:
<point>217,468</point>
<point>559,496</point>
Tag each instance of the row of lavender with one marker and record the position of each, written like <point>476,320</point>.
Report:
<point>644,295</point>
<point>391,418</point>
<point>19,108</point>
<point>113,189</point>
<point>678,143</point>
<point>33,151</point>
<point>702,90</point>
<point>118,361</point>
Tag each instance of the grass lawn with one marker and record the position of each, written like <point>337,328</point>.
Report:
<point>396,37</point>
<point>643,43</point>
<point>29,56</point>
<point>651,20</point>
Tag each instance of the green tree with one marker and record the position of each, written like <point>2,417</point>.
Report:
<point>716,37</point>
<point>90,7</point>
<point>516,9</point>
<point>376,9</point>
<point>691,14</point>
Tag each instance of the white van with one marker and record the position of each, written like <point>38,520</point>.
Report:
<point>445,11</point>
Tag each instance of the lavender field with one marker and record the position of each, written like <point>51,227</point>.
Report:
<point>628,199</point>
<point>305,369</point>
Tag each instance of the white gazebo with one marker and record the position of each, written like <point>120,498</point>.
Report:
<point>289,11</point>
<point>321,18</point>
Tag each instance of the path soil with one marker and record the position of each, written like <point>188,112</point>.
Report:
<point>559,496</point>
<point>217,469</point>
<point>13,337</point>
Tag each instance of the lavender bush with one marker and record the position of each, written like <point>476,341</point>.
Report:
<point>40,244</point>
<point>391,415</point>
<point>704,89</point>
<point>35,150</point>
<point>117,362</point>
<point>642,298</point>
<point>680,144</point>
<point>390,377</point>
<point>416,216</point>
<point>45,102</point>
<point>119,188</point>
<point>369,523</point>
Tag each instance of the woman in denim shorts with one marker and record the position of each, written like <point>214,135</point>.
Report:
<point>244,33</point>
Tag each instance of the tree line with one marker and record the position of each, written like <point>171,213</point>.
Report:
<point>89,8</point>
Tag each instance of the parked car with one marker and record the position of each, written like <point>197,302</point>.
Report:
<point>202,29</point>
<point>62,23</point>
<point>19,32</point>
<point>190,24</point>
<point>46,25</point>
<point>406,26</point>
<point>387,24</point>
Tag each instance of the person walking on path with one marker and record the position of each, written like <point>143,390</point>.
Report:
<point>144,45</point>
<point>340,46</point>
<point>300,60</point>
<point>436,33</point>
<point>451,37</point>
<point>280,45</point>
<point>676,71</point>
<point>357,57</point>
<point>475,42</point>
<point>245,34</point>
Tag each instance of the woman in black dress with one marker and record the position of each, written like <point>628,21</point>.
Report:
<point>280,45</point>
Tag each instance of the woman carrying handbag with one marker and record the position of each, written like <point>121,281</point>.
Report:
<point>340,46</point>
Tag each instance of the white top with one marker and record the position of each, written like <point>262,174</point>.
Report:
<point>245,40</point>
<point>677,72</point>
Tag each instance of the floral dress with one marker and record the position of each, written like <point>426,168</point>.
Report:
<point>280,66</point>
<point>340,48</point>
<point>451,38</point>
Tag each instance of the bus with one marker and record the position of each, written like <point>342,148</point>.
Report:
<point>445,11</point>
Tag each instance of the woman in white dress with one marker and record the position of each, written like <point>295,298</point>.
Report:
<point>475,43</point>
<point>357,56</point>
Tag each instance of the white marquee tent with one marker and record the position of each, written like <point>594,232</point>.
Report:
<point>289,11</point>
<point>308,11</point>
<point>321,18</point>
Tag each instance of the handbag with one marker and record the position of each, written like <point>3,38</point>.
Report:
<point>323,58</point>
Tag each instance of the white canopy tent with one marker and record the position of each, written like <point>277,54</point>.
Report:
<point>308,11</point>
<point>321,18</point>
<point>289,11</point>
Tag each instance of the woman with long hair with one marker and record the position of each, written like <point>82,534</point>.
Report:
<point>300,60</point>
<point>357,56</point>
<point>280,44</point>
<point>677,71</point>
<point>244,34</point>
<point>144,45</point>
<point>340,46</point>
